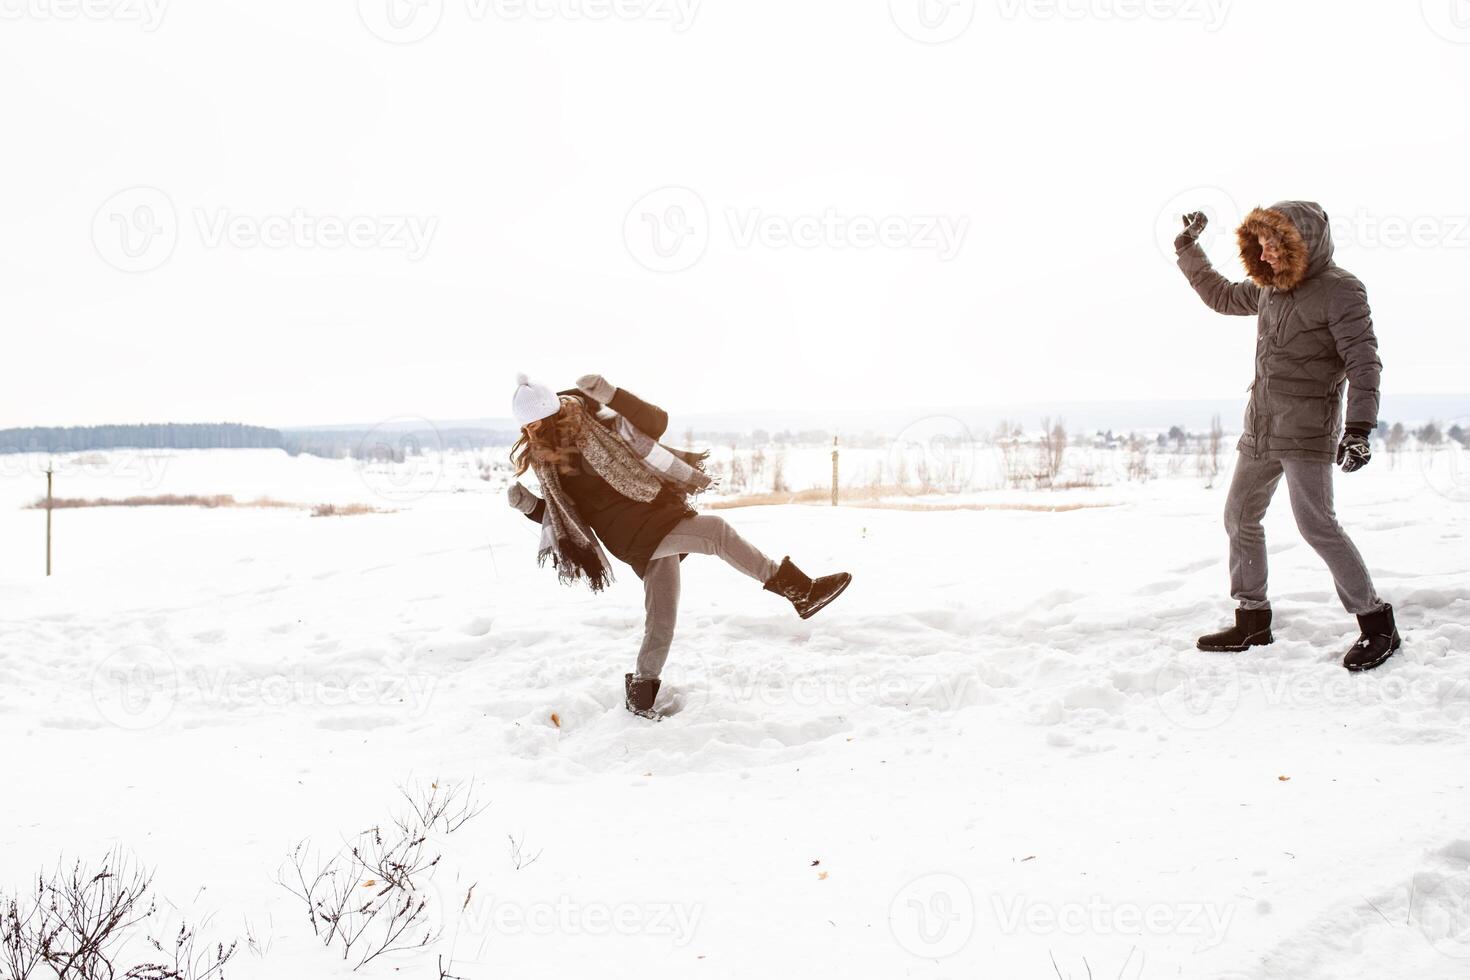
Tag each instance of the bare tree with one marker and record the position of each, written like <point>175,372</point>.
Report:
<point>1398,436</point>
<point>372,897</point>
<point>757,465</point>
<point>1053,450</point>
<point>1138,466</point>
<point>778,472</point>
<point>737,469</point>
<point>518,856</point>
<point>448,807</point>
<point>75,924</point>
<point>1014,471</point>
<point>1217,439</point>
<point>185,961</point>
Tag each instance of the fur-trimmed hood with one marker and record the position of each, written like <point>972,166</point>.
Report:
<point>1306,243</point>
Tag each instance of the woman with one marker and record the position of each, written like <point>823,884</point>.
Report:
<point>608,482</point>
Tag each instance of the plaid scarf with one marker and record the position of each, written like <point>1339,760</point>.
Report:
<point>633,463</point>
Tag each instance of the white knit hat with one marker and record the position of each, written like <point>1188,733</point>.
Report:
<point>533,402</point>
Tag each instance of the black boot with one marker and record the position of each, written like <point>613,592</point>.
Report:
<point>1379,640</point>
<point>807,595</point>
<point>639,696</point>
<point>1252,629</point>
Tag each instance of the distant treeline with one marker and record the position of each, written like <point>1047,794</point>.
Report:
<point>332,444</point>
<point>398,444</point>
<point>225,435</point>
<point>390,444</point>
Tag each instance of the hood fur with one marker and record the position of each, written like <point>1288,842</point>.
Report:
<point>1306,243</point>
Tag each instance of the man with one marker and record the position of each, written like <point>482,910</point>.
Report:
<point>1314,337</point>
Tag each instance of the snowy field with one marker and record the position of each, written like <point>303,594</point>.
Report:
<point>998,755</point>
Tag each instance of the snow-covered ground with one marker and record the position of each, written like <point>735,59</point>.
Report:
<point>998,755</point>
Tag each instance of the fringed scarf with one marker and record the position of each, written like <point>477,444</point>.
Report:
<point>633,463</point>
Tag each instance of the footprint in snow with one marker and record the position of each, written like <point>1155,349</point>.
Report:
<point>354,723</point>
<point>479,626</point>
<point>1195,566</point>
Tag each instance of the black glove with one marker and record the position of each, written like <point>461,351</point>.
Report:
<point>1354,452</point>
<point>1194,225</point>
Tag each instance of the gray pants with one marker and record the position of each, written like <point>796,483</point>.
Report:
<point>701,535</point>
<point>1310,486</point>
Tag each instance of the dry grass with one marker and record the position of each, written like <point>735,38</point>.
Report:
<point>209,501</point>
<point>342,510</point>
<point>161,500</point>
<point>1035,508</point>
<point>815,496</point>
<point>875,498</point>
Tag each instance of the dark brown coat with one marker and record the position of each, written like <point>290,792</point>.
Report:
<point>630,529</point>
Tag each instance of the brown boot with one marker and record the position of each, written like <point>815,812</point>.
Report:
<point>1379,641</point>
<point>1252,629</point>
<point>639,696</point>
<point>806,594</point>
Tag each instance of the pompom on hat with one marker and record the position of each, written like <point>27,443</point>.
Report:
<point>533,401</point>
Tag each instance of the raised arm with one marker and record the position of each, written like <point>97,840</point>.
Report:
<point>647,418</point>
<point>1219,293</point>
<point>1351,323</point>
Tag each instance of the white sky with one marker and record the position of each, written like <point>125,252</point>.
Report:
<point>526,142</point>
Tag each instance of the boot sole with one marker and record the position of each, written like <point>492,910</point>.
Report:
<point>827,601</point>
<point>1250,641</point>
<point>1359,668</point>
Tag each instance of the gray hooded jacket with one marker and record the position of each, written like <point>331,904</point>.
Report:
<point>1314,334</point>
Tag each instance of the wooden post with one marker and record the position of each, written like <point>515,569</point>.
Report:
<point>48,521</point>
<point>834,471</point>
